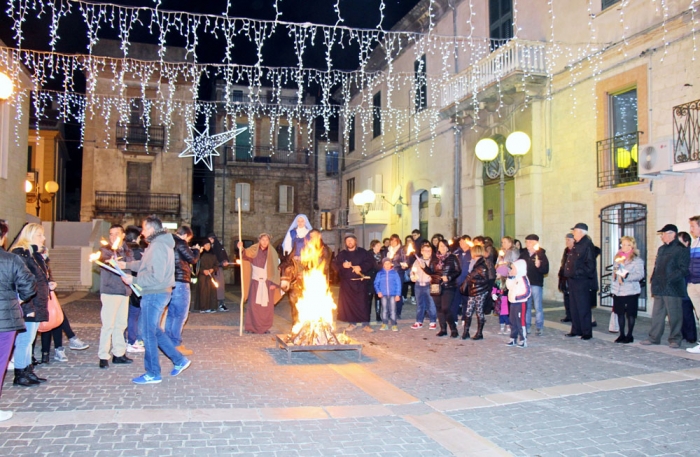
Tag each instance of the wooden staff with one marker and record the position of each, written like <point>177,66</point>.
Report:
<point>240,257</point>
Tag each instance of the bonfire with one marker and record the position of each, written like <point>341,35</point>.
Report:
<point>315,325</point>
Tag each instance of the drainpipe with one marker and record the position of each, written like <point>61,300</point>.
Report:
<point>457,197</point>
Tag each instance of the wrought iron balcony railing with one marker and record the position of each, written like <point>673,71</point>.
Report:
<point>243,154</point>
<point>137,203</point>
<point>135,134</point>
<point>686,132</point>
<point>516,56</point>
<point>618,160</point>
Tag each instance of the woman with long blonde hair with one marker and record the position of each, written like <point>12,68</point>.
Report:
<point>628,270</point>
<point>28,246</point>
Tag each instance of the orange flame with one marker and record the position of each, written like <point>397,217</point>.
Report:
<point>470,244</point>
<point>316,303</point>
<point>117,243</point>
<point>104,242</point>
<point>619,259</point>
<point>537,247</point>
<point>410,250</point>
<point>501,253</point>
<point>94,256</point>
<point>216,284</point>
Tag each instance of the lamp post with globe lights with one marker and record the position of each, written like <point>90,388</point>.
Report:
<point>491,151</point>
<point>363,200</point>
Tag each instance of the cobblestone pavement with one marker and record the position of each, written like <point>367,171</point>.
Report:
<point>411,394</point>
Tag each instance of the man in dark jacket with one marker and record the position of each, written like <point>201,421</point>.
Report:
<point>579,270</point>
<point>222,256</point>
<point>537,267</point>
<point>179,306</point>
<point>668,287</point>
<point>114,295</point>
<point>563,288</point>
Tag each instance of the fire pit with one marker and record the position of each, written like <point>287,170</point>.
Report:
<point>290,347</point>
<point>313,329</point>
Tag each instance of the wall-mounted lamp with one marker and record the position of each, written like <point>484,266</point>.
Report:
<point>436,192</point>
<point>6,86</point>
<point>363,200</point>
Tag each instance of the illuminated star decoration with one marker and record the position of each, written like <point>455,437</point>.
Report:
<point>203,147</point>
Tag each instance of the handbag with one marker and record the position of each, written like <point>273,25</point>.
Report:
<point>435,290</point>
<point>614,326</point>
<point>55,314</point>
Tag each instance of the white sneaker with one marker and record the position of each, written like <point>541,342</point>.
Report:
<point>695,350</point>
<point>77,344</point>
<point>133,348</point>
<point>60,355</point>
<point>5,415</point>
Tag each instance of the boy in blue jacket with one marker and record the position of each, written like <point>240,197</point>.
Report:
<point>387,284</point>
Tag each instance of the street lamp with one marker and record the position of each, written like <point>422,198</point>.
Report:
<point>491,151</point>
<point>51,188</point>
<point>363,200</point>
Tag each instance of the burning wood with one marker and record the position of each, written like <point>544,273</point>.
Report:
<point>314,325</point>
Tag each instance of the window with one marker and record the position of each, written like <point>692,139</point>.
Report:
<point>609,3</point>
<point>351,134</point>
<point>30,158</point>
<point>332,163</point>
<point>138,177</point>
<point>377,115</point>
<point>326,219</point>
<point>136,112</point>
<point>623,112</point>
<point>285,138</point>
<point>350,187</point>
<point>237,96</point>
<point>500,22</point>
<point>286,204</point>
<point>420,83</point>
<point>242,148</point>
<point>242,192</point>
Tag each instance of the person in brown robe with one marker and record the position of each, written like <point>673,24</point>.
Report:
<point>205,299</point>
<point>261,280</point>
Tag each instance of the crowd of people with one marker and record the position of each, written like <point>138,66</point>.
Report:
<point>448,279</point>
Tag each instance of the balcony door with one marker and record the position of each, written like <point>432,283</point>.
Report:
<point>243,152</point>
<point>138,186</point>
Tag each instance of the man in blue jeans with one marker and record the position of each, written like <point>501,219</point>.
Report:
<point>537,267</point>
<point>179,306</point>
<point>156,278</point>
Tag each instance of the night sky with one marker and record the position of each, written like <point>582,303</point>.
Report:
<point>277,51</point>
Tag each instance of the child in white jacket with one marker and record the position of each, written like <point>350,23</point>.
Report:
<point>518,293</point>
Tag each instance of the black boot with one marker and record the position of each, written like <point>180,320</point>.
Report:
<point>630,322</point>
<point>378,309</point>
<point>479,328</point>
<point>45,357</point>
<point>443,329</point>
<point>29,371</point>
<point>21,378</point>
<point>467,324</point>
<point>621,323</point>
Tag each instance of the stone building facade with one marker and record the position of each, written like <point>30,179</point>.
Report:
<point>131,169</point>
<point>13,151</point>
<point>270,168</point>
<point>612,129</point>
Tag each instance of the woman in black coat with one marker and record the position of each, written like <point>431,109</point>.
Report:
<point>444,270</point>
<point>28,247</point>
<point>477,286</point>
<point>15,280</point>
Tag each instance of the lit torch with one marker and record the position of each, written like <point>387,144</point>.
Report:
<point>410,250</point>
<point>213,281</point>
<point>537,248</point>
<point>135,287</point>
<point>501,253</point>
<point>470,244</point>
<point>95,257</point>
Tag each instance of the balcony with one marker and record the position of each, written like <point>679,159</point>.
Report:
<point>140,136</point>
<point>379,212</point>
<point>515,57</point>
<point>246,155</point>
<point>618,160</point>
<point>686,136</point>
<point>137,203</point>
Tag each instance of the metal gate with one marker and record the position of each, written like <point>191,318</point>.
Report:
<point>616,221</point>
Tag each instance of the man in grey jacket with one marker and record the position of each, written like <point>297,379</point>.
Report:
<point>156,278</point>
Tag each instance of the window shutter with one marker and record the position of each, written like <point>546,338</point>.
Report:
<point>243,192</point>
